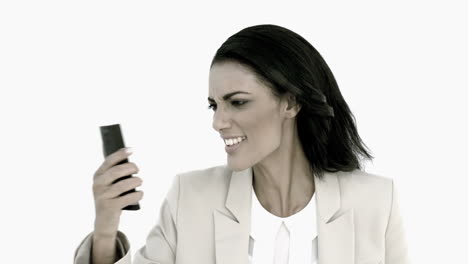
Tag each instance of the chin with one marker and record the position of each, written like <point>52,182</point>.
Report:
<point>237,165</point>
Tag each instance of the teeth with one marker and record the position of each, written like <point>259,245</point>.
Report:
<point>233,141</point>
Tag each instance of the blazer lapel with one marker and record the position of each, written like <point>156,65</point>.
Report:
<point>232,233</point>
<point>335,228</point>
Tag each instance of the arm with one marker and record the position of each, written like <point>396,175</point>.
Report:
<point>83,253</point>
<point>161,242</point>
<point>396,248</point>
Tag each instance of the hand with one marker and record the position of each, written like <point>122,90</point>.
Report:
<point>108,203</point>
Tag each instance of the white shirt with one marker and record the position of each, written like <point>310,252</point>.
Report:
<point>302,228</point>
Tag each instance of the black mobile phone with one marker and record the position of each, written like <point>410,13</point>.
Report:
<point>112,141</point>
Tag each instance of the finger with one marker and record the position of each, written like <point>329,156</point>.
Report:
<point>122,186</point>
<point>112,160</point>
<point>119,171</point>
<point>128,199</point>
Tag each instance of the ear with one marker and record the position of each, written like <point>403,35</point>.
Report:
<point>292,106</point>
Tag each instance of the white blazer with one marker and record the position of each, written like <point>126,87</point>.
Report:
<point>205,219</point>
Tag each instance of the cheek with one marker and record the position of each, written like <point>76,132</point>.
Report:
<point>265,130</point>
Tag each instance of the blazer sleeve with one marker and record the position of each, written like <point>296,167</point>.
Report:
<point>84,250</point>
<point>396,248</point>
<point>161,242</point>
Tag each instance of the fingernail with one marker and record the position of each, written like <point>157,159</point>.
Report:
<point>129,150</point>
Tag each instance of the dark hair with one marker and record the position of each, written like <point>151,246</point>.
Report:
<point>288,64</point>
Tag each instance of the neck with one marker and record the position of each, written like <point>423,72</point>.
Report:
<point>283,182</point>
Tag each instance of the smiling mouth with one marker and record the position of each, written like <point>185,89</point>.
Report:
<point>233,142</point>
<point>234,147</point>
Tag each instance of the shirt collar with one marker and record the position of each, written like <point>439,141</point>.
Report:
<point>267,224</point>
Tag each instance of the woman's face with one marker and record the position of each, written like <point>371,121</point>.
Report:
<point>249,109</point>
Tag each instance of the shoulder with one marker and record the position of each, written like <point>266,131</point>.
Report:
<point>205,180</point>
<point>206,172</point>
<point>364,180</point>
<point>219,173</point>
<point>361,189</point>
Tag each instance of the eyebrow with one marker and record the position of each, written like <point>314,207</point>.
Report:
<point>228,95</point>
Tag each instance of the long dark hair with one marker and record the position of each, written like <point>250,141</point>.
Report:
<point>288,64</point>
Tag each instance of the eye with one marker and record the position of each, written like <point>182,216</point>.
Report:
<point>212,106</point>
<point>235,103</point>
<point>238,103</point>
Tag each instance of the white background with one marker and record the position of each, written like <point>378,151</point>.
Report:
<point>68,67</point>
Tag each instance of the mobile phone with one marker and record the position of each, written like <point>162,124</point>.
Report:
<point>112,141</point>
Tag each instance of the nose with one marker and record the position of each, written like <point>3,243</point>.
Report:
<point>220,120</point>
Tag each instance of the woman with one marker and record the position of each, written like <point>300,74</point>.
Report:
<point>293,136</point>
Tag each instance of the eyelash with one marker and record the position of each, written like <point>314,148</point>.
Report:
<point>240,103</point>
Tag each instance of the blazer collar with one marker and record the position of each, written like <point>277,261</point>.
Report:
<point>335,230</point>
